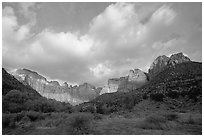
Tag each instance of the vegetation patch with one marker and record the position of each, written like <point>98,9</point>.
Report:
<point>155,122</point>
<point>79,123</point>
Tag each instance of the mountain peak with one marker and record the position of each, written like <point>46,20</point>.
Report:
<point>136,75</point>
<point>65,84</point>
<point>178,58</point>
<point>30,71</point>
<point>161,62</point>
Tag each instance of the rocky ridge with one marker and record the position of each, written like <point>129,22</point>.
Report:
<point>86,92</point>
<point>53,90</point>
<point>162,62</point>
<point>137,78</point>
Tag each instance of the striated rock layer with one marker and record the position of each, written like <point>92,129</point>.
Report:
<point>53,90</point>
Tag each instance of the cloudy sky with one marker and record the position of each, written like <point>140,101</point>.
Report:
<point>91,42</point>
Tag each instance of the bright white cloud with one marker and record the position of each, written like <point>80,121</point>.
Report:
<point>100,70</point>
<point>66,43</point>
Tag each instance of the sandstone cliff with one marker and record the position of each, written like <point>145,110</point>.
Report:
<point>134,80</point>
<point>53,90</point>
<point>162,62</point>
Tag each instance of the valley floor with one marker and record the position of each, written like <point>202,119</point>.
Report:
<point>154,121</point>
<point>186,124</point>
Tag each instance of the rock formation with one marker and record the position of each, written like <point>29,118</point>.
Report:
<point>105,89</point>
<point>53,90</point>
<point>158,65</point>
<point>113,84</point>
<point>137,76</point>
<point>134,80</point>
<point>161,62</point>
<point>65,84</point>
<point>85,92</point>
<point>177,58</point>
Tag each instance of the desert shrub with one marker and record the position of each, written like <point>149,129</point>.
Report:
<point>190,120</point>
<point>24,122</point>
<point>129,102</point>
<point>89,108</point>
<point>157,97</point>
<point>155,119</point>
<point>5,121</point>
<point>16,96</point>
<point>13,101</point>
<point>49,122</point>
<point>33,115</point>
<point>173,94</point>
<point>79,123</point>
<point>47,105</point>
<point>25,119</point>
<point>8,120</point>
<point>154,122</point>
<point>194,92</point>
<point>98,116</point>
<point>144,96</point>
<point>171,116</point>
<point>101,109</point>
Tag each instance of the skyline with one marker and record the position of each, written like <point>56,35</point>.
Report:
<point>92,42</point>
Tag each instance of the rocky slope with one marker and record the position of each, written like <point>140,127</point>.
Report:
<point>162,62</point>
<point>138,78</point>
<point>53,90</point>
<point>178,87</point>
<point>9,83</point>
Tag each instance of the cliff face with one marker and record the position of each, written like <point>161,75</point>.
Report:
<point>53,90</point>
<point>134,80</point>
<point>113,84</point>
<point>177,59</point>
<point>137,76</point>
<point>158,65</point>
<point>162,62</point>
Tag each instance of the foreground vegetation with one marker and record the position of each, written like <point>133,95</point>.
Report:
<point>124,122</point>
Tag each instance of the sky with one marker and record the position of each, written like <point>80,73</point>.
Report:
<point>92,42</point>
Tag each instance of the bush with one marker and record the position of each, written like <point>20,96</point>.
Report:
<point>5,121</point>
<point>78,123</point>
<point>47,105</point>
<point>51,122</point>
<point>33,115</point>
<point>14,101</point>
<point>24,122</point>
<point>98,116</point>
<point>156,119</point>
<point>154,122</point>
<point>157,97</point>
<point>171,116</point>
<point>87,108</point>
<point>190,120</point>
<point>144,96</point>
<point>16,96</point>
<point>8,121</point>
<point>173,94</point>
